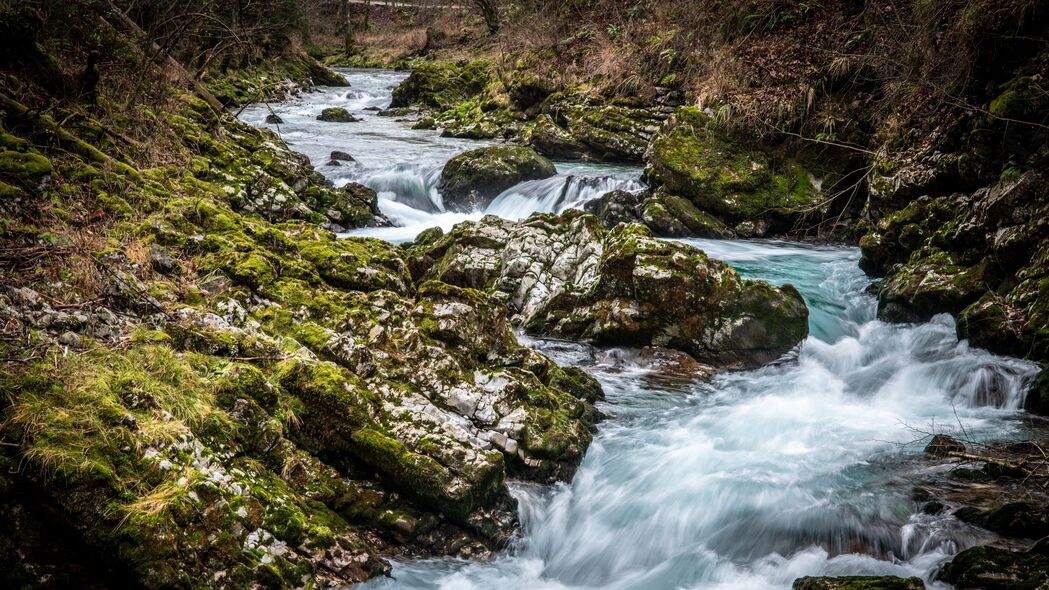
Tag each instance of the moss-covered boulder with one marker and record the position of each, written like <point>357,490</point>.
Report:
<point>858,583</point>
<point>336,115</point>
<point>985,567</point>
<point>615,207</point>
<point>567,276</point>
<point>718,174</point>
<point>575,126</point>
<point>554,141</point>
<point>471,180</point>
<point>676,217</point>
<point>442,85</point>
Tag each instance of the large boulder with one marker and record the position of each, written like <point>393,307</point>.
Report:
<point>471,180</point>
<point>442,86</point>
<point>691,159</point>
<point>577,127</point>
<point>568,276</point>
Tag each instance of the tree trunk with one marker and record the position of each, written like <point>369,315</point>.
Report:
<point>348,42</point>
<point>490,13</point>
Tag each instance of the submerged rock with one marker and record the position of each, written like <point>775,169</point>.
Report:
<point>336,115</point>
<point>471,180</point>
<point>568,276</point>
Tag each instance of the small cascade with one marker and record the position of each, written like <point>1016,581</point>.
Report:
<point>558,193</point>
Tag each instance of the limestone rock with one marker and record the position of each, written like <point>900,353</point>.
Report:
<point>567,276</point>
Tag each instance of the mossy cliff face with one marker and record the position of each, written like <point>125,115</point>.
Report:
<point>746,187</point>
<point>247,401</point>
<point>567,276</point>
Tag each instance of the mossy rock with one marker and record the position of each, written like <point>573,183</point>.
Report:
<point>552,140</point>
<point>442,86</point>
<point>24,168</point>
<point>1037,401</point>
<point>471,180</point>
<point>676,217</point>
<point>691,159</point>
<point>615,207</point>
<point>932,283</point>
<point>1022,98</point>
<point>336,115</point>
<point>858,583</point>
<point>993,568</point>
<point>630,289</point>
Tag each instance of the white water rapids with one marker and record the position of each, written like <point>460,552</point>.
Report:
<point>804,467</point>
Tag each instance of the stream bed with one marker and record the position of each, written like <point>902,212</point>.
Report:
<point>803,467</point>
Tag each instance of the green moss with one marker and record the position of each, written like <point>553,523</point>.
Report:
<point>26,167</point>
<point>693,160</point>
<point>243,381</point>
<point>253,271</point>
<point>1021,98</point>
<point>442,86</point>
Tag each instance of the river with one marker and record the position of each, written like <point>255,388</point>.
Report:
<point>803,467</point>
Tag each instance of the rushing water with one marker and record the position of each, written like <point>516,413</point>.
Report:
<point>803,467</point>
<point>404,165</point>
